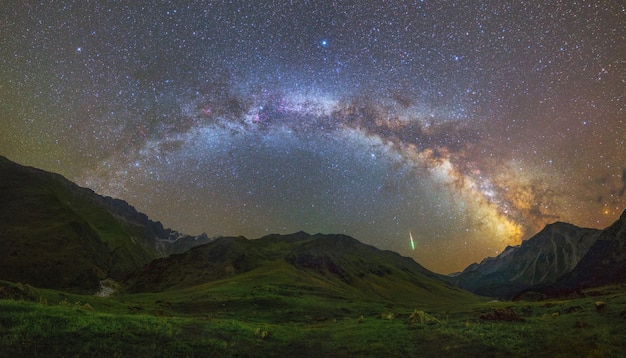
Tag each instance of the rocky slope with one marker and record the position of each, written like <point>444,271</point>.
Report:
<point>604,263</point>
<point>540,260</point>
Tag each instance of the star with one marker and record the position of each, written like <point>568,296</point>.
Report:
<point>472,127</point>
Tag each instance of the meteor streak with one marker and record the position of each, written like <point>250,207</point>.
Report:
<point>412,243</point>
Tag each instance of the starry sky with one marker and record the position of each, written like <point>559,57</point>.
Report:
<point>470,124</point>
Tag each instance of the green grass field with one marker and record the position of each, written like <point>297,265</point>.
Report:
<point>276,320</point>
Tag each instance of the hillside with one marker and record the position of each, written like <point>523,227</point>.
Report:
<point>328,264</point>
<point>56,234</point>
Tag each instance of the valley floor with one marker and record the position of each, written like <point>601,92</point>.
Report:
<point>37,323</point>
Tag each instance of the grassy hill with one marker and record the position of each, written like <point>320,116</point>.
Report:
<point>55,234</point>
<point>329,266</point>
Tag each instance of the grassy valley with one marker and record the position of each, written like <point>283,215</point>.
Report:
<point>273,320</point>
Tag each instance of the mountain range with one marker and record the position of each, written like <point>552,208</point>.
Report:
<point>55,234</point>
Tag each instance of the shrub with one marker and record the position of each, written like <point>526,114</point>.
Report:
<point>262,333</point>
<point>419,318</point>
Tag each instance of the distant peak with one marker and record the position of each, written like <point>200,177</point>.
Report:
<point>296,236</point>
<point>559,223</point>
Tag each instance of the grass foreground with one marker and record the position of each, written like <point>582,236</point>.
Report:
<point>200,322</point>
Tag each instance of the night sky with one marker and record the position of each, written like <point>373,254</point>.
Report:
<point>471,124</point>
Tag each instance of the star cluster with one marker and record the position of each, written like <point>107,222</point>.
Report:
<point>471,124</point>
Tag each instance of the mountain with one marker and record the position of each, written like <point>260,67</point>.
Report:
<point>329,264</point>
<point>604,263</point>
<point>55,234</point>
<point>540,260</point>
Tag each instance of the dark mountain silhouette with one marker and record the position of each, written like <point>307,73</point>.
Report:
<point>55,234</point>
<point>540,260</point>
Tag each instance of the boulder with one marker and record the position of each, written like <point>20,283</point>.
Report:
<point>600,306</point>
<point>573,309</point>
<point>502,314</point>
